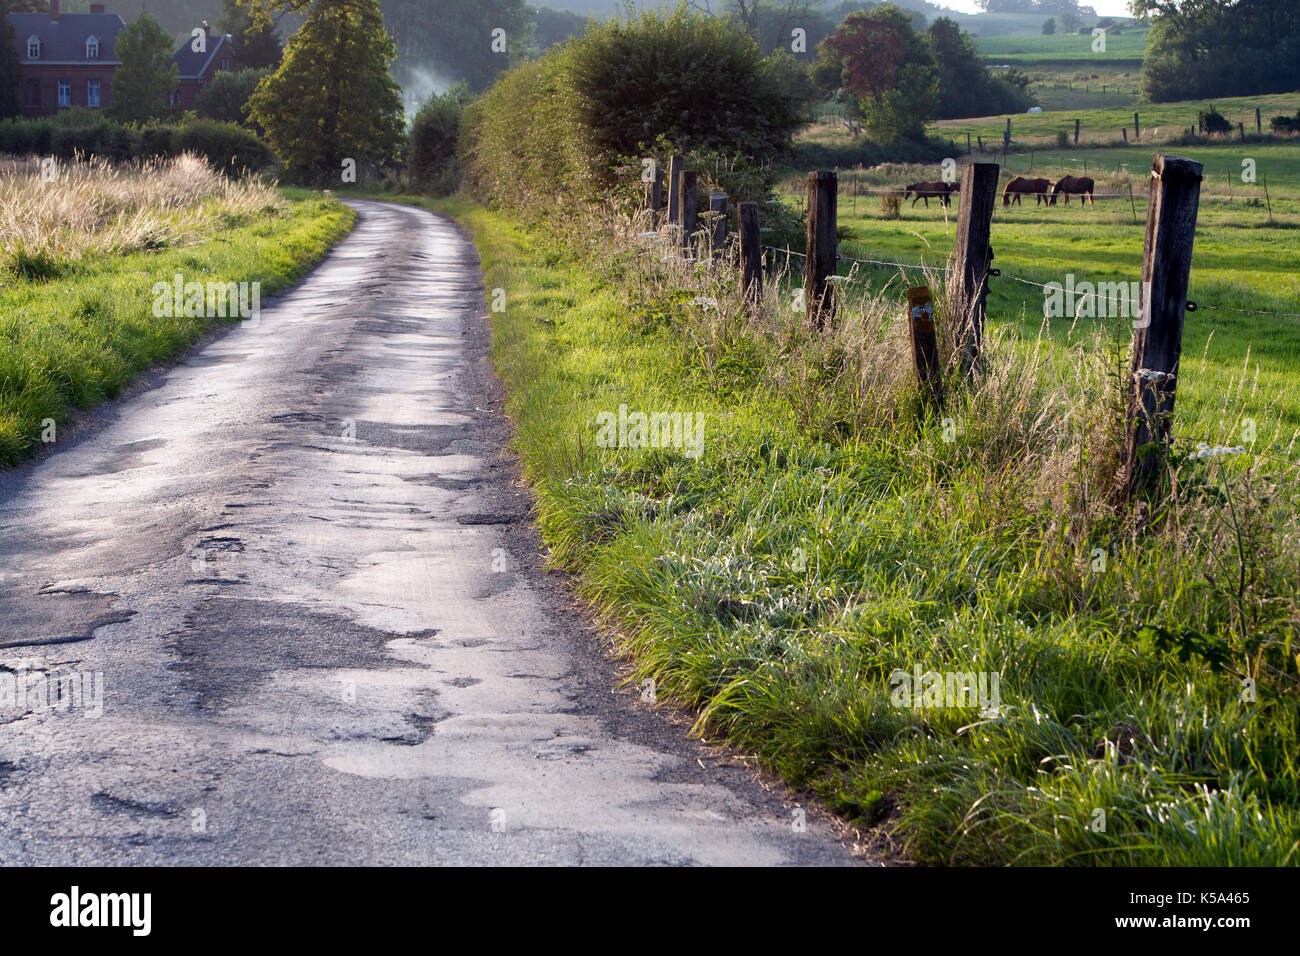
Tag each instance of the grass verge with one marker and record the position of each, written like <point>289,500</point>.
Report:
<point>77,329</point>
<point>831,536</point>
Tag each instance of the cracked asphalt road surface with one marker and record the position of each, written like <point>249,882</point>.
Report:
<point>301,560</point>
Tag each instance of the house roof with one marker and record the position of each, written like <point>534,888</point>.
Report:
<point>64,40</point>
<point>193,64</point>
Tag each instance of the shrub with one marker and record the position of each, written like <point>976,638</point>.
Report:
<point>225,98</point>
<point>434,131</point>
<point>228,147</point>
<point>1212,121</point>
<point>568,125</point>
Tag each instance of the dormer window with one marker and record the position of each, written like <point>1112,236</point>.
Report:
<point>33,48</point>
<point>92,48</point>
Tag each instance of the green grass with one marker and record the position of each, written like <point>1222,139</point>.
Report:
<point>78,338</point>
<point>831,533</point>
<point>1239,262</point>
<point>1128,47</point>
<point>1159,122</point>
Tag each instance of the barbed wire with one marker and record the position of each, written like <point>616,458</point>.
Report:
<point>1192,306</point>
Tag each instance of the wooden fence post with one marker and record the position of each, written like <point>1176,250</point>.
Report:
<point>925,349</point>
<point>718,206</point>
<point>1006,137</point>
<point>823,189</point>
<point>1259,122</point>
<point>968,142</point>
<point>973,257</point>
<point>751,253</point>
<point>689,211</point>
<point>1124,130</point>
<point>1076,132</point>
<point>675,166</point>
<point>1158,333</point>
<point>1137,133</point>
<point>655,197</point>
<point>1242,127</point>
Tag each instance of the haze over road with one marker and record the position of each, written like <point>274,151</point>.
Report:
<point>324,650</point>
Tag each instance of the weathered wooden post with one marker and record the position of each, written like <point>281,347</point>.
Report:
<point>1076,132</point>
<point>973,257</point>
<point>1158,332</point>
<point>1124,130</point>
<point>1137,133</point>
<point>675,167</point>
<point>689,211</point>
<point>655,195</point>
<point>981,142</point>
<point>819,298</point>
<point>751,253</point>
<point>968,142</point>
<point>1242,127</point>
<point>718,206</point>
<point>1259,122</point>
<point>925,348</point>
<point>1006,137</point>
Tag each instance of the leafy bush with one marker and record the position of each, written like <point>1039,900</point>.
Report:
<point>1215,122</point>
<point>567,127</point>
<point>432,152</point>
<point>229,148</point>
<point>225,98</point>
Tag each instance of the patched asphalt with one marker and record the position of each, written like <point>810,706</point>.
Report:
<point>302,562</point>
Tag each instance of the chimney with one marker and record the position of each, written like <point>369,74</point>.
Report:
<point>97,8</point>
<point>54,9</point>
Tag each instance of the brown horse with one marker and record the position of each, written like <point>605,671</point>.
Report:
<point>937,190</point>
<point>1080,186</point>
<point>1020,186</point>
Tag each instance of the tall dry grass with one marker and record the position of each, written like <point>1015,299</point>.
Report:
<point>94,208</point>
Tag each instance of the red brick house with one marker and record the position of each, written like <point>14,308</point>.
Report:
<point>67,58</point>
<point>198,67</point>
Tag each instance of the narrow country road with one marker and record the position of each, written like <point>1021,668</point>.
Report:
<point>301,561</point>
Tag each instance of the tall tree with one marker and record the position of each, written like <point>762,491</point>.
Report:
<point>887,67</point>
<point>256,46</point>
<point>333,97</point>
<point>11,72</point>
<point>147,75</point>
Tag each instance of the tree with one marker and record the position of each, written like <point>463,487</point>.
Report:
<point>10,67</point>
<point>966,87</point>
<point>333,97</point>
<point>255,46</point>
<point>147,76</point>
<point>226,95</point>
<point>1211,48</point>
<point>888,69</point>
<point>434,132</point>
<point>1049,26</point>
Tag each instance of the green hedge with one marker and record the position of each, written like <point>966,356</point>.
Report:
<point>228,147</point>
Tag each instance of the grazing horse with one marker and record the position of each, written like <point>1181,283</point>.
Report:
<point>1020,186</point>
<point>938,190</point>
<point>1080,186</point>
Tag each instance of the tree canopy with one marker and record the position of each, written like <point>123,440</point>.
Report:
<point>332,97</point>
<point>1210,48</point>
<point>147,76</point>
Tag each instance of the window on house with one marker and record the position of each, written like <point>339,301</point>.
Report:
<point>92,48</point>
<point>33,48</point>
<point>65,93</point>
<point>92,94</point>
<point>225,65</point>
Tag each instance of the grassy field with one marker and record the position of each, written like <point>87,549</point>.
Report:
<point>831,535</point>
<point>1240,262</point>
<point>1129,47</point>
<point>1159,122</point>
<point>80,255</point>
